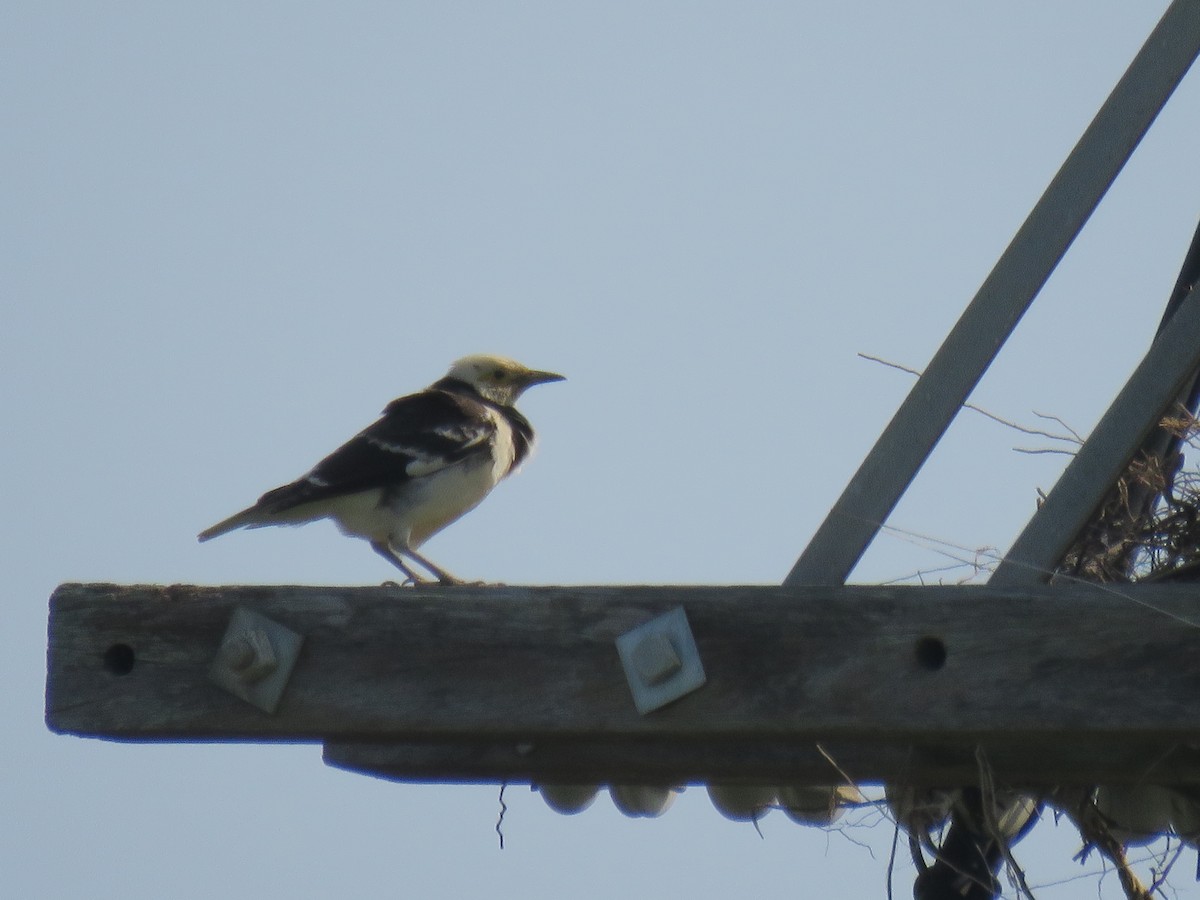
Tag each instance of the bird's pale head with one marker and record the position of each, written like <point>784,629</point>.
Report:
<point>498,378</point>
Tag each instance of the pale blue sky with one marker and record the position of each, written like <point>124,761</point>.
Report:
<point>233,231</point>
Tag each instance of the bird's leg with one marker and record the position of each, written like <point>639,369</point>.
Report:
<point>439,573</point>
<point>385,550</point>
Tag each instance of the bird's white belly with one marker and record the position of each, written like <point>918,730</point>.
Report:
<point>434,502</point>
<point>360,515</point>
<point>424,506</point>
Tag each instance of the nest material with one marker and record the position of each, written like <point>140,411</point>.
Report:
<point>1148,529</point>
<point>1149,525</point>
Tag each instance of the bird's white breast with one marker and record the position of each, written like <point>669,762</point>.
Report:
<point>430,502</point>
<point>434,501</point>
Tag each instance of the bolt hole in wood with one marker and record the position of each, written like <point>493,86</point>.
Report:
<point>931,653</point>
<point>119,659</point>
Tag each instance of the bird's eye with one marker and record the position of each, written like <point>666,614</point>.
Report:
<point>499,374</point>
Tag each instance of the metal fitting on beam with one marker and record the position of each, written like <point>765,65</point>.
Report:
<point>255,659</point>
<point>661,661</point>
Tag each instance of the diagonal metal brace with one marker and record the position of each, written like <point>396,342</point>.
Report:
<point>1002,299</point>
<point>1173,358</point>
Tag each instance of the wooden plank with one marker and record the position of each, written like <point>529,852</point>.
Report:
<point>1168,366</point>
<point>1024,762</point>
<point>1002,300</point>
<point>521,664</point>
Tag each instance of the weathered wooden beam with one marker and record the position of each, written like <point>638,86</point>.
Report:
<point>868,672</point>
<point>1019,761</point>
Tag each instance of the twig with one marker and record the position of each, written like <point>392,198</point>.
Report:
<point>891,866</point>
<point>989,806</point>
<point>1024,429</point>
<point>1167,862</point>
<point>1075,434</point>
<point>1096,833</point>
<point>1040,451</point>
<point>850,782</point>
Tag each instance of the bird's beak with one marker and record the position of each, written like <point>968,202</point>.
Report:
<point>535,377</point>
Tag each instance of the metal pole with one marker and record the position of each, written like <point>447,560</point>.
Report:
<point>1003,298</point>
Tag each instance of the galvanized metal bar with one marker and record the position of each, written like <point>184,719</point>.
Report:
<point>1003,298</point>
<point>1156,383</point>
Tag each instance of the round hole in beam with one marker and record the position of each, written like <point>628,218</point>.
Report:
<point>931,653</point>
<point>119,659</point>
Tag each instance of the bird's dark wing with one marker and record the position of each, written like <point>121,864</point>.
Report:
<point>416,436</point>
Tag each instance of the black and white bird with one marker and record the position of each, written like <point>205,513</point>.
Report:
<point>430,458</point>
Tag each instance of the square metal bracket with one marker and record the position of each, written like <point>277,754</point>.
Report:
<point>661,661</point>
<point>255,659</point>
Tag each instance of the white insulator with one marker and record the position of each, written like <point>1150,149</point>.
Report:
<point>1136,813</point>
<point>1185,815</point>
<point>742,802</point>
<point>816,804</point>
<point>568,799</point>
<point>642,800</point>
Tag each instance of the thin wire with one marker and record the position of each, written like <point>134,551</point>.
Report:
<point>500,817</point>
<point>989,553</point>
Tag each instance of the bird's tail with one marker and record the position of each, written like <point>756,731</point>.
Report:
<point>246,518</point>
<point>282,506</point>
